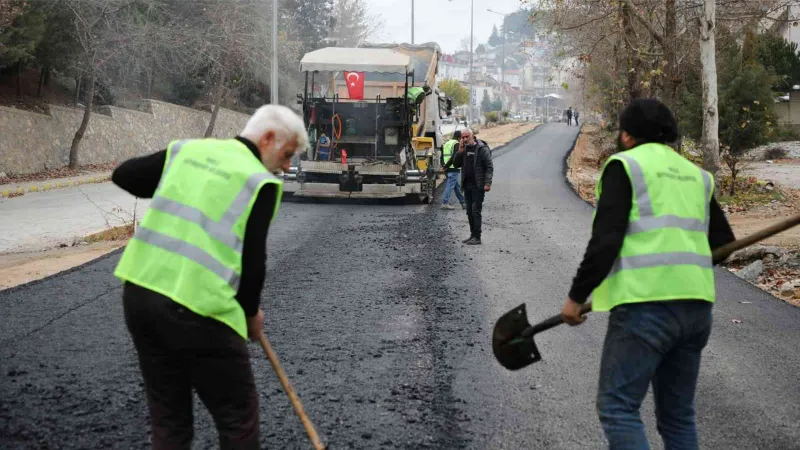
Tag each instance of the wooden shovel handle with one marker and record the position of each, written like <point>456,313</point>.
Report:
<point>726,250</point>
<point>720,253</point>
<point>287,387</point>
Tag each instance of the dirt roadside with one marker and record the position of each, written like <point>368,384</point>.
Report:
<point>19,268</point>
<point>24,267</point>
<point>583,171</point>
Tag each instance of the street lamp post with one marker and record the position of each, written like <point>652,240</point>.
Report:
<point>412,22</point>
<point>502,63</point>
<point>274,88</point>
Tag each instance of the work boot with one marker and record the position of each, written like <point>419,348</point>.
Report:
<point>466,240</point>
<point>474,241</point>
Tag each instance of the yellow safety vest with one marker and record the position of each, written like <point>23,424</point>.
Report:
<point>188,246</point>
<point>447,150</point>
<point>665,255</point>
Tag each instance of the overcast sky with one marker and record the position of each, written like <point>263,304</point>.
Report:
<point>441,21</point>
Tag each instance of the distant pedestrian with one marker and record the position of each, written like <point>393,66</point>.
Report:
<point>194,270</point>
<point>453,174</point>
<point>569,116</point>
<point>649,263</point>
<point>475,160</point>
<point>577,116</point>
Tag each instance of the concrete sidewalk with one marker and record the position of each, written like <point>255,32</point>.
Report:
<point>43,220</point>
<point>16,189</point>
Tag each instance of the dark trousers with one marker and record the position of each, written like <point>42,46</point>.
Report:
<point>474,196</point>
<point>180,351</point>
<point>658,344</point>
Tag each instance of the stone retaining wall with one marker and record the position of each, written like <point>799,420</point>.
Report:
<point>31,142</point>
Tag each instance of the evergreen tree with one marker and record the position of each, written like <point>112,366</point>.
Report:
<point>494,38</point>
<point>486,102</point>
<point>780,57</point>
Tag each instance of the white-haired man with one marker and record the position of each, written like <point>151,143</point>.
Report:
<point>194,270</point>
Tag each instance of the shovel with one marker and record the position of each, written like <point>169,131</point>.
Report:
<point>512,338</point>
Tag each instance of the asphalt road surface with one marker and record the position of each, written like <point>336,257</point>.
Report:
<point>383,320</point>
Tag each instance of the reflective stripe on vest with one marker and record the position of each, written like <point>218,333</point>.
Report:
<point>669,252</point>
<point>189,251</point>
<point>647,221</point>
<point>660,259</point>
<point>221,230</point>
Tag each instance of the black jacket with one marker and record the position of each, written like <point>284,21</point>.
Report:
<point>484,168</point>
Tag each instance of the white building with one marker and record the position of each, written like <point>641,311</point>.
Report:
<point>784,21</point>
<point>513,78</point>
<point>452,67</point>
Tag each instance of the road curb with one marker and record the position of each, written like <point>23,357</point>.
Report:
<point>565,168</point>
<point>53,185</point>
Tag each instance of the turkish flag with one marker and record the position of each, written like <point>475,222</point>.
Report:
<point>355,84</point>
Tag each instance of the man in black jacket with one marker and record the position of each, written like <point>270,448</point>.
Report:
<point>475,161</point>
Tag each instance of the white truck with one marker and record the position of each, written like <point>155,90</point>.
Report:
<point>386,144</point>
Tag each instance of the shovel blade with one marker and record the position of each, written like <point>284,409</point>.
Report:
<point>511,349</point>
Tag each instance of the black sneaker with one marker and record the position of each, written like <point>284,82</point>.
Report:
<point>474,241</point>
<point>466,240</point>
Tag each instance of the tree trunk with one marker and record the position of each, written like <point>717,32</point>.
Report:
<point>78,89</point>
<point>20,69</point>
<point>41,83</point>
<point>217,101</point>
<point>149,84</point>
<point>87,112</point>
<point>633,60</point>
<point>708,61</point>
<point>672,77</point>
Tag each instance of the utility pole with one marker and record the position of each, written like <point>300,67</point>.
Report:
<point>274,83</point>
<point>471,75</point>
<point>412,22</point>
<point>503,62</point>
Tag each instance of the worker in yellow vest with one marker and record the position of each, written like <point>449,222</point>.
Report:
<point>453,182</point>
<point>194,271</point>
<point>649,263</point>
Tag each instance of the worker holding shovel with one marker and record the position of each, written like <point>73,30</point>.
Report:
<point>649,262</point>
<point>194,271</point>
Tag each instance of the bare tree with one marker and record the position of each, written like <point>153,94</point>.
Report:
<point>708,59</point>
<point>226,37</point>
<point>353,24</point>
<point>104,29</point>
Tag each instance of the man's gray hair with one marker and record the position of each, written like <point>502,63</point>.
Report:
<point>284,122</point>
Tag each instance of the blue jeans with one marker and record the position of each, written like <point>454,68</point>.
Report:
<point>453,183</point>
<point>658,343</point>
